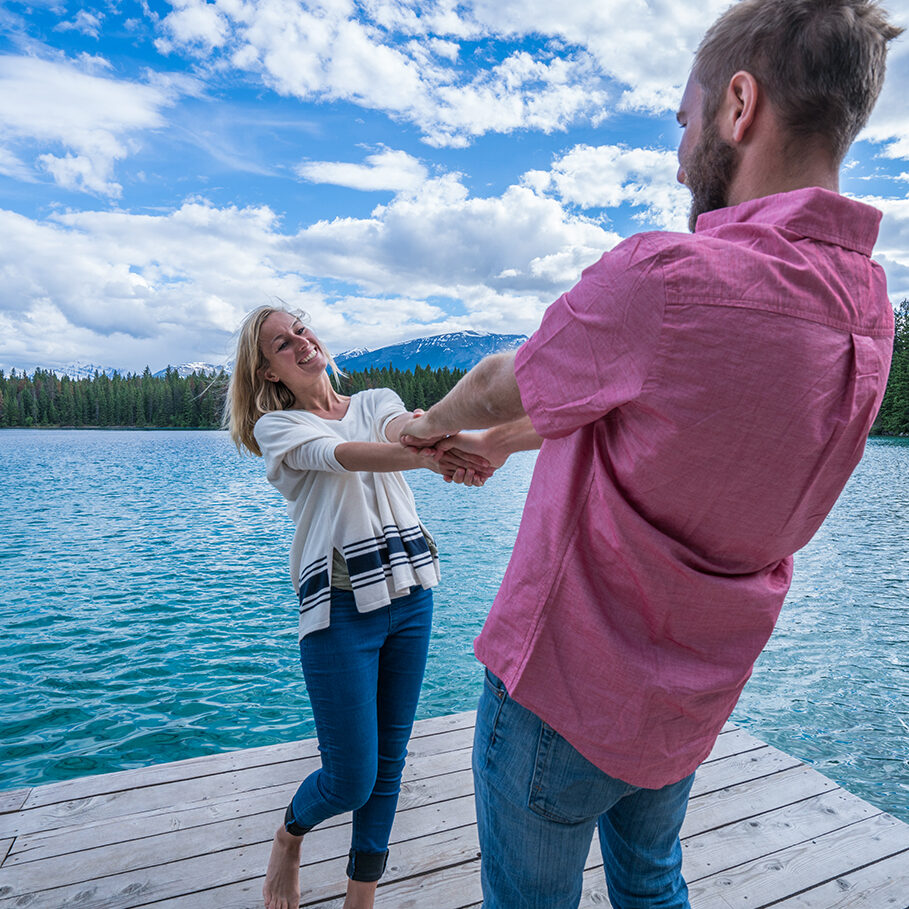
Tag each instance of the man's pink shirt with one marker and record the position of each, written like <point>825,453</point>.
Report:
<point>703,399</point>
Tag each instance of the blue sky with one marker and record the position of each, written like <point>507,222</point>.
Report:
<point>396,168</point>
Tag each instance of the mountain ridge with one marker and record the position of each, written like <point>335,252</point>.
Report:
<point>454,350</point>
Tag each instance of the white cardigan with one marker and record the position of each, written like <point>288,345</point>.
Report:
<point>370,518</point>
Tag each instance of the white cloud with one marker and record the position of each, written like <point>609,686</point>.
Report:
<point>59,103</point>
<point>889,123</point>
<point>581,61</point>
<point>892,247</point>
<point>608,176</point>
<point>197,25</point>
<point>82,172</point>
<point>11,166</point>
<point>110,286</point>
<point>381,56</point>
<point>385,170</point>
<point>644,45</point>
<point>85,22</point>
<point>442,241</point>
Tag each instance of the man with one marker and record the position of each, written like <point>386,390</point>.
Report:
<point>702,400</point>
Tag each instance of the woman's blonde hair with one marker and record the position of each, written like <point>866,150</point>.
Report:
<point>249,393</point>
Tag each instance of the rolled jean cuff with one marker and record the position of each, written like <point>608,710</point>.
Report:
<point>366,866</point>
<point>290,825</point>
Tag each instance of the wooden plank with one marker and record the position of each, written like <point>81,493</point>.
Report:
<point>451,805</point>
<point>38,844</point>
<point>457,887</point>
<point>213,765</point>
<point>762,829</point>
<point>803,866</point>
<point>93,809</point>
<point>324,880</point>
<point>754,797</point>
<point>145,840</point>
<point>735,741</point>
<point>13,799</point>
<point>881,885</point>
<point>738,768</point>
<point>722,848</point>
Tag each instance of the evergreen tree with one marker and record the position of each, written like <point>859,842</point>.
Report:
<point>893,418</point>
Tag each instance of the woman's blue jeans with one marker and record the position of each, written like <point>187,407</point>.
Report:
<point>538,802</point>
<point>363,674</point>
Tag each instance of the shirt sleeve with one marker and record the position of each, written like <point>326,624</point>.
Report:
<point>297,444</point>
<point>596,343</point>
<point>386,406</point>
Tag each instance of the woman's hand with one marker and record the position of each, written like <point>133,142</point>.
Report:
<point>454,465</point>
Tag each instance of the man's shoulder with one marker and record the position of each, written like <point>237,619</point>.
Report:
<point>660,245</point>
<point>646,255</point>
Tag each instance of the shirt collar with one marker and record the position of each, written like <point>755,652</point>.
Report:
<point>812,212</point>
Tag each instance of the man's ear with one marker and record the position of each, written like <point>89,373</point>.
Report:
<point>741,105</point>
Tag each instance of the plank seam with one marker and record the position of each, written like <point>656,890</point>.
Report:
<point>322,900</point>
<point>410,877</point>
<point>734,754</point>
<point>766,855</point>
<point>752,779</point>
<point>337,821</point>
<point>214,774</point>
<point>246,845</point>
<point>749,817</point>
<point>458,726</point>
<point>876,861</point>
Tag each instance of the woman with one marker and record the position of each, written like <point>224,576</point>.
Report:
<point>363,567</point>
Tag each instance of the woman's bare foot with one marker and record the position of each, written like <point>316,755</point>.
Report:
<point>361,894</point>
<point>282,879</point>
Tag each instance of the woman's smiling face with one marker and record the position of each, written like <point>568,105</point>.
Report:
<point>291,350</point>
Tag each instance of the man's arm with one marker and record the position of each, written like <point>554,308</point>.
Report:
<point>487,396</point>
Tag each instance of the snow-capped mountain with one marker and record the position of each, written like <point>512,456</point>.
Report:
<point>458,350</point>
<point>82,370</point>
<point>187,369</point>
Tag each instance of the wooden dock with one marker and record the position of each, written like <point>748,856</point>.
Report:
<point>762,830</point>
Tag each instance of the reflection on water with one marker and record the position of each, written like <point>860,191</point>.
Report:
<point>147,613</point>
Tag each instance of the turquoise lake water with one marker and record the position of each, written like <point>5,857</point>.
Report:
<point>146,612</point>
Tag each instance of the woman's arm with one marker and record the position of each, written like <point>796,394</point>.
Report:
<point>381,457</point>
<point>375,456</point>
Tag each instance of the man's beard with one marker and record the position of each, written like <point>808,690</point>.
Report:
<point>709,172</point>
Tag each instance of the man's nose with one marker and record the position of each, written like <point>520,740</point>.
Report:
<point>680,176</point>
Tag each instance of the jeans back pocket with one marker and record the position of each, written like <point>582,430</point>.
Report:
<point>566,787</point>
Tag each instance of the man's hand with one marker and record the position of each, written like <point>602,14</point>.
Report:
<point>422,430</point>
<point>456,462</point>
<point>472,448</point>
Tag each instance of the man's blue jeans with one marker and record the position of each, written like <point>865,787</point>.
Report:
<point>538,802</point>
<point>363,674</point>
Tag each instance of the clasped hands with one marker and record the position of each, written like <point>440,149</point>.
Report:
<point>460,457</point>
